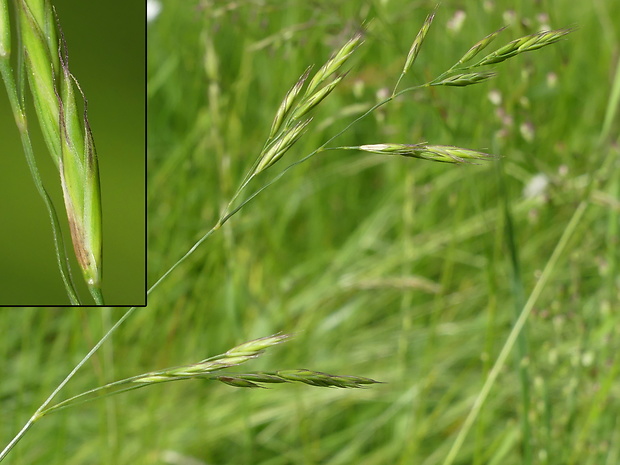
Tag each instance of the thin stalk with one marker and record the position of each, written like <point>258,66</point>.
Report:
<point>527,309</point>
<point>95,291</point>
<point>112,388</point>
<point>612,107</point>
<point>37,413</point>
<point>183,258</point>
<point>522,353</point>
<point>89,395</point>
<point>515,332</point>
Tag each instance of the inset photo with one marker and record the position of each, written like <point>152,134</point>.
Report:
<point>72,157</point>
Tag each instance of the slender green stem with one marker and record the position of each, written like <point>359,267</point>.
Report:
<point>89,396</point>
<point>94,394</point>
<point>37,413</point>
<point>521,353</point>
<point>612,107</point>
<point>183,258</point>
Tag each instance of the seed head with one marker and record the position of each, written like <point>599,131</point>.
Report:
<point>440,153</point>
<point>334,63</point>
<point>462,80</point>
<point>313,100</point>
<point>257,346</point>
<point>524,44</point>
<point>287,103</point>
<point>417,43</point>
<point>479,46</point>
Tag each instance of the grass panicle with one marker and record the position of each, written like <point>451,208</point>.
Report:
<point>281,145</point>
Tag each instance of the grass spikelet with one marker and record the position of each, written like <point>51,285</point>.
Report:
<point>417,43</point>
<point>287,103</point>
<point>451,154</point>
<point>313,100</point>
<point>309,377</point>
<point>334,63</point>
<point>439,153</point>
<point>233,357</point>
<point>258,346</point>
<point>524,44</point>
<point>79,174</point>
<point>281,146</point>
<point>414,50</point>
<point>479,46</point>
<point>39,38</point>
<point>262,377</point>
<point>18,106</point>
<point>237,382</point>
<point>462,80</point>
<point>316,378</point>
<point>389,149</point>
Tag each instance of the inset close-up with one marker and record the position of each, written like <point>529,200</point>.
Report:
<point>72,158</point>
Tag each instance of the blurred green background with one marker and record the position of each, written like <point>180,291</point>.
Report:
<point>395,269</point>
<point>106,51</point>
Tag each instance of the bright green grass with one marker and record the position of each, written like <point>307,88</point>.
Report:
<point>334,252</point>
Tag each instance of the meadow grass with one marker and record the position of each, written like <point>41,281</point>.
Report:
<point>401,270</point>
